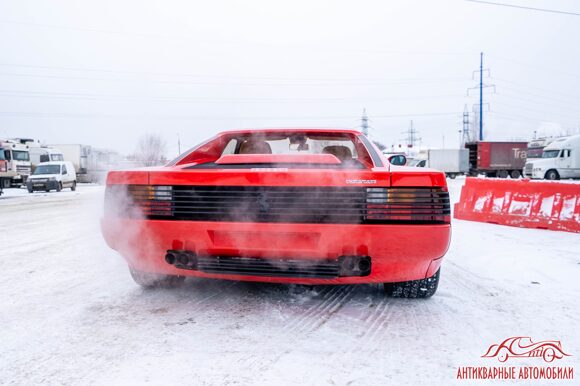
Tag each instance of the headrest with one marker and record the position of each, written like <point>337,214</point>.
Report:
<point>255,147</point>
<point>343,153</point>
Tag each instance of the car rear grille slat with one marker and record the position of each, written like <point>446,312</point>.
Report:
<point>326,269</point>
<point>348,205</point>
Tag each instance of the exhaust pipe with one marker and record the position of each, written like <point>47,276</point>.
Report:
<point>364,265</point>
<point>181,259</point>
<point>355,265</point>
<point>170,258</point>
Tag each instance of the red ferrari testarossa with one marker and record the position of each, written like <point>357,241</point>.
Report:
<point>310,206</point>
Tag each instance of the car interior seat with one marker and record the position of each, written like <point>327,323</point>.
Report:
<point>343,153</point>
<point>255,147</point>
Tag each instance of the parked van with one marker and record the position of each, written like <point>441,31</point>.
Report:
<point>560,159</point>
<point>52,175</point>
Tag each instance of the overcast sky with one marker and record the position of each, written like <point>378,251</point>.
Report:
<point>105,72</point>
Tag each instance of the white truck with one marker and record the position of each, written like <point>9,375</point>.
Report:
<point>560,159</point>
<point>536,147</point>
<point>453,162</point>
<point>18,164</point>
<point>79,156</point>
<point>44,154</point>
<point>91,164</point>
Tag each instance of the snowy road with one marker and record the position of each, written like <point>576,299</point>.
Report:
<point>70,313</point>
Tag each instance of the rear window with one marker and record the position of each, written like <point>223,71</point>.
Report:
<point>342,147</point>
<point>353,151</point>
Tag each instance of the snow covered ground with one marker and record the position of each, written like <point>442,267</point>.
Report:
<point>70,313</point>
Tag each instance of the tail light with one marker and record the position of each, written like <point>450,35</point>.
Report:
<point>139,200</point>
<point>408,204</point>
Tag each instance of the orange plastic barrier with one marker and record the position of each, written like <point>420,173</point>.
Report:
<point>521,203</point>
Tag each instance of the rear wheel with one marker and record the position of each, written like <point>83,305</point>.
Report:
<point>503,174</point>
<point>73,187</point>
<point>155,280</point>
<point>515,174</point>
<point>414,289</point>
<point>552,175</point>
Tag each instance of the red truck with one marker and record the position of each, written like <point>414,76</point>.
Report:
<point>497,159</point>
<point>5,174</point>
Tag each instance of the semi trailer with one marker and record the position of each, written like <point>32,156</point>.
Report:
<point>497,159</point>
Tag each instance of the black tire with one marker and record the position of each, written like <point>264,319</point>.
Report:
<point>503,174</point>
<point>154,280</point>
<point>515,174</point>
<point>552,175</point>
<point>30,190</point>
<point>73,186</point>
<point>59,187</point>
<point>452,175</point>
<point>414,289</point>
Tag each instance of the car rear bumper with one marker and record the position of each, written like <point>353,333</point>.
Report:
<point>397,252</point>
<point>47,185</point>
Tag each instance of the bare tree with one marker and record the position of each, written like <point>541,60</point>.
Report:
<point>380,145</point>
<point>151,150</point>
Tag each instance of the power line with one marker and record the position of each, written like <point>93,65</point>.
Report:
<point>227,42</point>
<point>321,81</point>
<point>524,7</point>
<point>573,114</point>
<point>536,67</point>
<point>526,86</point>
<point>196,117</point>
<point>524,118</point>
<point>559,104</point>
<point>205,99</point>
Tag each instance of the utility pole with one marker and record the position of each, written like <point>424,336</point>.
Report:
<point>466,132</point>
<point>481,86</point>
<point>481,97</point>
<point>411,136</point>
<point>365,123</point>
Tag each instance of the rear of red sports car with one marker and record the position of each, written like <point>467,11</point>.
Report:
<point>285,206</point>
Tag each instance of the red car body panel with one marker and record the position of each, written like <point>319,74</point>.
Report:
<point>399,251</point>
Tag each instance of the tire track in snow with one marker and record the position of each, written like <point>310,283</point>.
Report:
<point>332,301</point>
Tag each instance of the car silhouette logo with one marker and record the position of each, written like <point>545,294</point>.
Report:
<point>524,347</point>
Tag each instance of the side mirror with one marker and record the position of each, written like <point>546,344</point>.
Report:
<point>63,172</point>
<point>398,159</point>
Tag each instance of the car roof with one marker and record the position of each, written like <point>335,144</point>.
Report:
<point>54,163</point>
<point>291,130</point>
